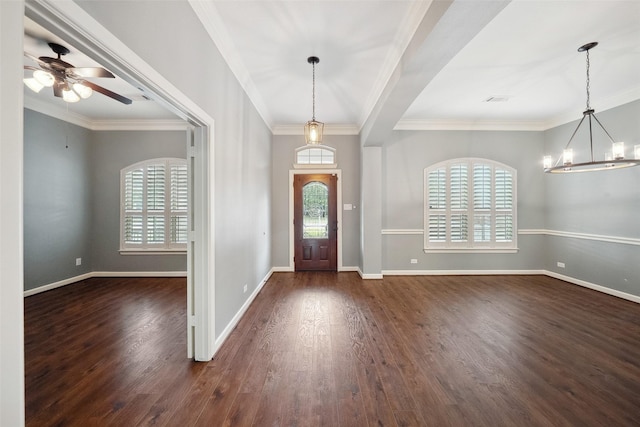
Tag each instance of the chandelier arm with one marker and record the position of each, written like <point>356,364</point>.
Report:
<point>605,131</point>
<point>591,137</point>
<point>570,139</point>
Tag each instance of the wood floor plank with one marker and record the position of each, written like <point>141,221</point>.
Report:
<point>328,349</point>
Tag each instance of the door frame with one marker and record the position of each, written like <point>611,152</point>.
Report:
<point>69,21</point>
<point>292,247</point>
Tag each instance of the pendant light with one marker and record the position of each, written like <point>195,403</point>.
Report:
<point>313,128</point>
<point>614,159</point>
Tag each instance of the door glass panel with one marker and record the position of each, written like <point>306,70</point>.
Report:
<point>315,209</point>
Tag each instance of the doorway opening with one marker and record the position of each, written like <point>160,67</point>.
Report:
<point>70,22</point>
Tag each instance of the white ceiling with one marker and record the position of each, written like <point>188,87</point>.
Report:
<point>526,54</point>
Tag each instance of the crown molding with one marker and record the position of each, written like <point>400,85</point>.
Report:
<point>514,125</point>
<point>215,27</point>
<point>56,111</point>
<point>328,129</point>
<point>417,124</point>
<point>61,113</point>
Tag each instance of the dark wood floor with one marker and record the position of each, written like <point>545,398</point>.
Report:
<point>330,349</point>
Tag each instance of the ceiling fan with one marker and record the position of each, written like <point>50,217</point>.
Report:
<point>68,82</point>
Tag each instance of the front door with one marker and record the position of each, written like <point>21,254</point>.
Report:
<point>315,222</point>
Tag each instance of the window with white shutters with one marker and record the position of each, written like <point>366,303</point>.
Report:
<point>154,205</point>
<point>470,205</point>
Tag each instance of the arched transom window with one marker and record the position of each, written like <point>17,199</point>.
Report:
<point>319,156</point>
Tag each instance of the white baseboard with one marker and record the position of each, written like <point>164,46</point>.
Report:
<point>599,288</point>
<point>91,274</point>
<point>348,268</point>
<point>365,276</point>
<point>285,269</point>
<point>458,272</point>
<point>234,322</point>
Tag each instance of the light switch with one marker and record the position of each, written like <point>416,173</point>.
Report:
<point>348,206</point>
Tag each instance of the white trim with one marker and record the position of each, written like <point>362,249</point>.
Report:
<point>459,272</point>
<point>402,231</point>
<point>424,124</point>
<point>238,316</point>
<point>370,276</point>
<point>91,274</point>
<point>214,25</point>
<point>292,173</point>
<point>585,236</point>
<point>512,125</point>
<point>329,129</point>
<point>536,231</point>
<point>599,288</point>
<point>282,269</point>
<point>58,112</point>
<point>349,269</point>
<point>153,252</point>
<point>475,250</point>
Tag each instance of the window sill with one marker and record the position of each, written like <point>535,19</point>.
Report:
<point>153,252</point>
<point>471,250</point>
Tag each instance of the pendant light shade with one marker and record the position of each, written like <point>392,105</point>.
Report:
<point>313,129</point>
<point>614,159</point>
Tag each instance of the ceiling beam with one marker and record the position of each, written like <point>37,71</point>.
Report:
<point>445,29</point>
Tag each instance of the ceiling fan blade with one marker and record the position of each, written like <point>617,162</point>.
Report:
<point>90,72</point>
<point>106,92</point>
<point>32,57</point>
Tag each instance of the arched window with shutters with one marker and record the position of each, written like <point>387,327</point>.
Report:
<point>470,205</point>
<point>153,206</point>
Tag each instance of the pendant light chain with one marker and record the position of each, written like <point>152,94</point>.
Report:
<point>588,83</point>
<point>313,95</point>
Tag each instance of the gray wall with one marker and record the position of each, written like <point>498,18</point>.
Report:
<point>167,35</point>
<point>57,200</point>
<point>404,160</point>
<point>598,203</point>
<point>72,198</point>
<point>112,151</point>
<point>348,158</point>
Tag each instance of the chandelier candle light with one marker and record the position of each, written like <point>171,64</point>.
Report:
<point>313,128</point>
<point>612,160</point>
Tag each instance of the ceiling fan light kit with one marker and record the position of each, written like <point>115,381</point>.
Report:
<point>313,129</point>
<point>614,159</point>
<point>67,81</point>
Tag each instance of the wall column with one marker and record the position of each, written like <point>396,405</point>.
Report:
<point>371,213</point>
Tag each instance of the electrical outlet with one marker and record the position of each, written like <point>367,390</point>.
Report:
<point>414,261</point>
<point>560,264</point>
<point>245,288</point>
<point>78,261</point>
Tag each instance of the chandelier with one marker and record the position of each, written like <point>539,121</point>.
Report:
<point>313,128</point>
<point>614,159</point>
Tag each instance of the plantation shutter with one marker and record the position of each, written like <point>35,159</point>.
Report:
<point>437,196</point>
<point>504,205</point>
<point>179,204</point>
<point>469,205</point>
<point>154,205</point>
<point>133,206</point>
<point>459,192</point>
